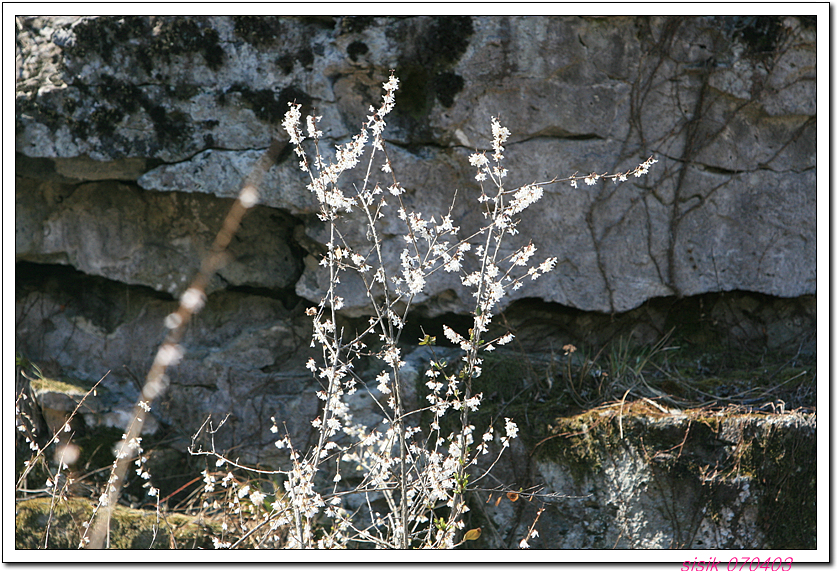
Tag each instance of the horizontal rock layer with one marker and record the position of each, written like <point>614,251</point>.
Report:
<point>173,104</point>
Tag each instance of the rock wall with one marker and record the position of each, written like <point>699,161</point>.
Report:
<point>133,135</point>
<point>638,478</point>
<point>182,105</point>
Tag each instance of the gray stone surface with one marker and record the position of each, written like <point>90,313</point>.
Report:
<point>245,358</point>
<point>731,205</point>
<point>120,232</point>
<point>644,497</point>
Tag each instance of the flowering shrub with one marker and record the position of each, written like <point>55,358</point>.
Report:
<point>409,483</point>
<point>422,474</point>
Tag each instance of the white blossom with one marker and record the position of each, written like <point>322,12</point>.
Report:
<point>524,197</point>
<point>478,160</point>
<point>383,379</point>
<point>452,335</point>
<point>311,124</point>
<point>291,123</point>
<point>511,428</point>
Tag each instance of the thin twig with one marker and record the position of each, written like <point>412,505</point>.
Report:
<point>170,351</point>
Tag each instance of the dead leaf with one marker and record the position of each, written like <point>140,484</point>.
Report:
<point>473,534</point>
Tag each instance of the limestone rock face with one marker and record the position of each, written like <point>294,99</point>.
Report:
<point>245,358</point>
<point>132,136</point>
<point>641,496</point>
<point>184,104</point>
<point>157,240</point>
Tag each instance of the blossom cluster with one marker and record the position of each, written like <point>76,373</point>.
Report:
<point>638,171</point>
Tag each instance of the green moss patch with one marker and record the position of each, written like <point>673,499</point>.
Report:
<point>40,523</point>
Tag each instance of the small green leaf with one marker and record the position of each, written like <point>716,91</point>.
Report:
<point>427,340</point>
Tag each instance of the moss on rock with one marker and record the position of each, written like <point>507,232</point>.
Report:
<point>39,524</point>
